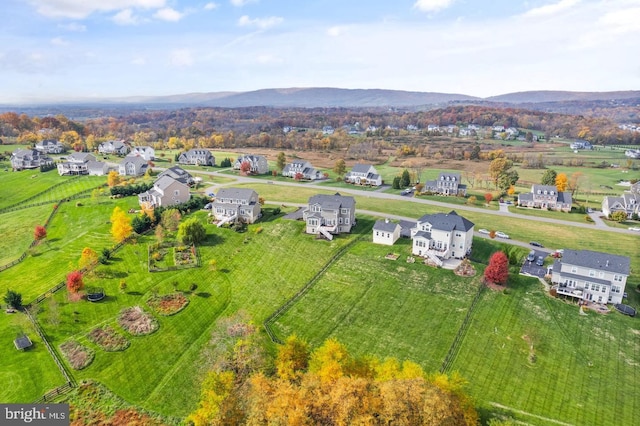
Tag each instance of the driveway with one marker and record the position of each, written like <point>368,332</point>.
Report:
<point>530,268</point>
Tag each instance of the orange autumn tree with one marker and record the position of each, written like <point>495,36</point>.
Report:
<point>40,233</point>
<point>562,182</point>
<point>120,225</point>
<point>74,281</point>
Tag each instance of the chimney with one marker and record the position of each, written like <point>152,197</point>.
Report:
<point>607,262</point>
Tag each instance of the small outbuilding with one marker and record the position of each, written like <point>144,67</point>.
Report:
<point>386,232</point>
<point>22,342</point>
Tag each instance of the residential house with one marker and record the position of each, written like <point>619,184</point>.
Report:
<point>545,197</point>
<point>166,191</point>
<point>77,164</point>
<point>466,132</point>
<point>113,147</point>
<point>591,276</point>
<point>29,159</point>
<point>179,174</point>
<point>446,184</point>
<point>232,204</point>
<point>442,236</point>
<point>363,174</point>
<point>327,130</point>
<point>50,146</point>
<point>145,152</point>
<point>414,128</point>
<point>197,157</point>
<point>97,168</point>
<point>258,164</point>
<point>304,168</point>
<point>386,232</point>
<point>329,215</point>
<point>132,165</point>
<point>581,145</point>
<point>628,202</point>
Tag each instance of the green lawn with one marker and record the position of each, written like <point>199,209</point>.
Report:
<point>17,229</point>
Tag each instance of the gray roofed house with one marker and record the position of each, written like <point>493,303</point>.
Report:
<point>386,232</point>
<point>179,174</point>
<point>50,146</point>
<point>446,184</point>
<point>363,174</point>
<point>77,164</point>
<point>132,165</point>
<point>97,168</point>
<point>304,168</point>
<point>166,191</point>
<point>233,204</point>
<point>258,164</point>
<point>145,152</point>
<point>197,157</point>
<point>329,215</point>
<point>442,236</point>
<point>546,197</point>
<point>628,202</point>
<point>591,276</point>
<point>113,147</point>
<point>29,159</point>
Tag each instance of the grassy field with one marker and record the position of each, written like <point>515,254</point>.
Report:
<point>17,228</point>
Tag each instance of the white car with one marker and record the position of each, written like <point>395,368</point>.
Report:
<point>634,228</point>
<point>484,231</point>
<point>501,234</point>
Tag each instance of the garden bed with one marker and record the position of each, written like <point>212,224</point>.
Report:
<point>170,257</point>
<point>137,322</point>
<point>168,304</point>
<point>108,339</point>
<point>79,356</point>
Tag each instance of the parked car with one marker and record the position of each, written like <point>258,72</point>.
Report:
<point>211,194</point>
<point>634,228</point>
<point>531,256</point>
<point>501,234</point>
<point>407,191</point>
<point>540,261</point>
<point>535,244</point>
<point>484,231</point>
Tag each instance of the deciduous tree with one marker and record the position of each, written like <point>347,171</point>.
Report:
<point>191,231</point>
<point>170,219</point>
<point>88,258</point>
<point>488,197</point>
<point>281,161</point>
<point>619,216</point>
<point>561,182</point>
<point>113,178</point>
<point>120,225</point>
<point>40,233</point>
<point>497,272</point>
<point>340,167</point>
<point>74,281</point>
<point>549,177</point>
<point>245,167</point>
<point>13,299</point>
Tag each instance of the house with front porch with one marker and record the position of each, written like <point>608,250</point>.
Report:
<point>591,276</point>
<point>386,232</point>
<point>258,164</point>
<point>446,184</point>
<point>29,159</point>
<point>197,157</point>
<point>546,197</point>
<point>166,191</point>
<point>236,204</point>
<point>113,147</point>
<point>303,167</point>
<point>363,174</point>
<point>329,215</point>
<point>76,164</point>
<point>442,236</point>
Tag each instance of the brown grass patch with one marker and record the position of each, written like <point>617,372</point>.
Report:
<point>169,304</point>
<point>137,322</point>
<point>108,339</point>
<point>79,356</point>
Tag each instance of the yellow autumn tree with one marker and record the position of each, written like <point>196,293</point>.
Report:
<point>88,257</point>
<point>562,182</point>
<point>113,178</point>
<point>120,225</point>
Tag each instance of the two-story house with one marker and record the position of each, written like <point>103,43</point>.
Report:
<point>545,197</point>
<point>145,152</point>
<point>363,174</point>
<point>29,159</point>
<point>179,174</point>
<point>446,184</point>
<point>166,191</point>
<point>236,204</point>
<point>132,165</point>
<point>304,168</point>
<point>442,236</point>
<point>197,157</point>
<point>77,164</point>
<point>258,164</point>
<point>386,232</point>
<point>590,275</point>
<point>628,202</point>
<point>50,146</point>
<point>113,147</point>
<point>329,215</point>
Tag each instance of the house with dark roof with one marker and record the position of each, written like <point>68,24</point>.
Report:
<point>303,167</point>
<point>166,191</point>
<point>329,215</point>
<point>442,236</point>
<point>179,174</point>
<point>50,146</point>
<point>581,145</point>
<point>446,184</point>
<point>258,164</point>
<point>197,157</point>
<point>545,197</point>
<point>29,159</point>
<point>236,204</point>
<point>113,147</point>
<point>386,232</point>
<point>132,165</point>
<point>628,202</point>
<point>363,174</point>
<point>591,276</point>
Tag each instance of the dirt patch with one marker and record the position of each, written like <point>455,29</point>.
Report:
<point>465,269</point>
<point>79,356</point>
<point>108,339</point>
<point>496,287</point>
<point>169,304</point>
<point>137,322</point>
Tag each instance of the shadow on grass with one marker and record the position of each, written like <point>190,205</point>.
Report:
<point>212,240</point>
<point>134,293</point>
<point>204,295</point>
<point>225,270</point>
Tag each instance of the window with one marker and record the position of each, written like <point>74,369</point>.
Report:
<point>346,220</point>
<point>574,269</point>
<point>344,211</point>
<point>592,273</point>
<point>377,234</point>
<point>596,287</point>
<point>176,192</point>
<point>615,289</point>
<point>617,277</point>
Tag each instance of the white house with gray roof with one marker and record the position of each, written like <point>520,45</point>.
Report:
<point>77,164</point>
<point>233,204</point>
<point>166,191</point>
<point>132,165</point>
<point>50,146</point>
<point>29,159</point>
<point>113,147</point>
<point>442,236</point>
<point>363,174</point>
<point>386,232</point>
<point>303,167</point>
<point>145,152</point>
<point>591,276</point>
<point>446,184</point>
<point>179,174</point>
<point>329,215</point>
<point>197,157</point>
<point>258,164</point>
<point>628,202</point>
<point>545,197</point>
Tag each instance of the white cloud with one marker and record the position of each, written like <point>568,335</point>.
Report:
<point>240,3</point>
<point>80,9</point>
<point>74,27</point>
<point>181,58</point>
<point>336,31</point>
<point>267,59</point>
<point>211,6</point>
<point>622,21</point>
<point>261,23</point>
<point>125,17</point>
<point>432,5</point>
<point>168,14</point>
<point>551,9</point>
<point>59,41</point>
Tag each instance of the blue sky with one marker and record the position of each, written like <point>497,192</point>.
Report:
<point>69,49</point>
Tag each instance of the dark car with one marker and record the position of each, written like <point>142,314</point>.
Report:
<point>540,261</point>
<point>535,244</point>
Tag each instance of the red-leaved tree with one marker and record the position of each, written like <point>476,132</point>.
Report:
<point>245,167</point>
<point>488,197</point>
<point>498,270</point>
<point>40,232</point>
<point>74,281</point>
<point>298,176</point>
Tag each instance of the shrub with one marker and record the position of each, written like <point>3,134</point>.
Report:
<point>13,299</point>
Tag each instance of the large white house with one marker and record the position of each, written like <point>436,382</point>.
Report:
<point>628,202</point>
<point>145,152</point>
<point>545,197</point>
<point>166,191</point>
<point>258,164</point>
<point>303,167</point>
<point>236,204</point>
<point>591,276</point>
<point>329,215</point>
<point>442,236</point>
<point>363,174</point>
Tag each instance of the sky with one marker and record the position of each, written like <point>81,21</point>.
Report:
<point>88,49</point>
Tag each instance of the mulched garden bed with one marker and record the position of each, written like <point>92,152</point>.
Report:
<point>168,304</point>
<point>137,322</point>
<point>79,356</point>
<point>108,339</point>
